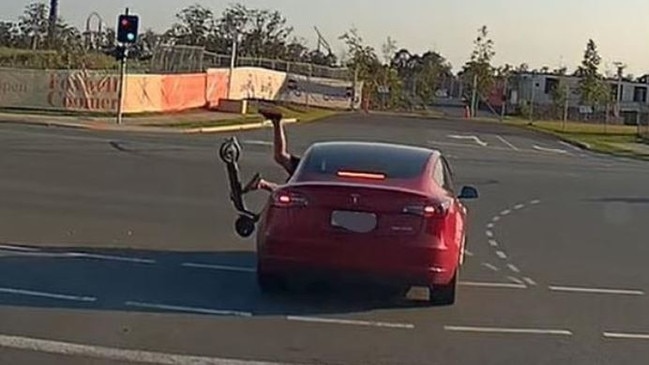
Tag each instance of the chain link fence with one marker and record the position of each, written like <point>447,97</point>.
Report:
<point>186,59</point>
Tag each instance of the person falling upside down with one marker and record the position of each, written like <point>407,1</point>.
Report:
<point>286,160</point>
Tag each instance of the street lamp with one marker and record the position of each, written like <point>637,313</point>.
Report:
<point>620,68</point>
<point>235,41</point>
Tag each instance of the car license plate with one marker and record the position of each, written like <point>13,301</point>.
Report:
<point>359,222</point>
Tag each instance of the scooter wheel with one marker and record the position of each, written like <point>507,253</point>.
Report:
<point>244,226</point>
<point>230,151</point>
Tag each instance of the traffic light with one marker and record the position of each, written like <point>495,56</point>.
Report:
<point>127,28</point>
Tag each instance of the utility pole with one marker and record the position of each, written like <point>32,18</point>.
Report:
<point>504,102</point>
<point>474,94</point>
<point>233,56</point>
<point>51,30</point>
<point>618,101</point>
<point>565,106</point>
<point>533,96</point>
<point>127,32</point>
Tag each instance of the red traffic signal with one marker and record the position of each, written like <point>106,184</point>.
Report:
<point>128,28</point>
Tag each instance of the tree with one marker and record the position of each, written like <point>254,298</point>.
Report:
<point>479,66</point>
<point>593,88</point>
<point>559,95</point>
<point>33,25</point>
<point>195,26</point>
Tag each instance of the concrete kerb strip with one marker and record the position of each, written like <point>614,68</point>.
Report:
<point>236,127</point>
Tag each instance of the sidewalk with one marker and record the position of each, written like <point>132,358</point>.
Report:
<point>188,122</point>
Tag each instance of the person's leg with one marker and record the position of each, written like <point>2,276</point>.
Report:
<point>280,154</point>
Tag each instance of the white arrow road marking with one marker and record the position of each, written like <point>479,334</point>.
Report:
<point>555,150</point>
<point>474,138</point>
<point>507,143</point>
<point>570,146</point>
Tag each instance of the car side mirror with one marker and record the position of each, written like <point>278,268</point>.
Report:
<point>468,192</point>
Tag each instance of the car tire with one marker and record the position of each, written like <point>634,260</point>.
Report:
<point>270,283</point>
<point>444,294</point>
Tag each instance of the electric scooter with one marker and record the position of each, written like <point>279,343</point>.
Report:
<point>230,152</point>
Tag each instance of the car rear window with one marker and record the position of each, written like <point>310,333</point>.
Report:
<point>393,162</point>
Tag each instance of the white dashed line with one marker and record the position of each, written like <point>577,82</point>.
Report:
<point>110,258</point>
<point>535,202</point>
<point>221,267</point>
<point>505,212</point>
<point>515,280</point>
<point>495,219</point>
<point>350,322</point>
<point>507,143</point>
<point>513,268</point>
<point>490,225</point>
<point>489,234</point>
<point>529,281</point>
<point>493,243</point>
<point>596,290</point>
<point>501,254</point>
<point>555,150</point>
<point>537,331</point>
<point>255,142</point>
<point>468,253</point>
<point>490,266</point>
<point>47,295</point>
<point>627,336</point>
<point>115,354</point>
<point>492,285</point>
<point>18,248</point>
<point>188,309</point>
<point>519,206</point>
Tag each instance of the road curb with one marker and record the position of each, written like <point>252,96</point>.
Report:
<point>236,127</point>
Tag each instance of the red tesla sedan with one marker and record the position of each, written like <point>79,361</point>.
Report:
<point>379,211</point>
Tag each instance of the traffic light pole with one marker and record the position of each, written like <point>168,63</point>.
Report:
<point>122,77</point>
<point>123,54</point>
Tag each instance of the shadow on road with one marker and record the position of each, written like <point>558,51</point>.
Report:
<point>141,280</point>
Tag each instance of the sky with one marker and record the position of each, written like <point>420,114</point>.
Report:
<point>540,33</point>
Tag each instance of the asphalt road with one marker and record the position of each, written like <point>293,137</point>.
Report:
<point>117,248</point>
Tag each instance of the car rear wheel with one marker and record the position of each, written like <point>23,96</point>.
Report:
<point>444,294</point>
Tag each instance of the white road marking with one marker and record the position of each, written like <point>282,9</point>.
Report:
<point>188,309</point>
<point>47,295</point>
<point>496,218</point>
<point>545,149</point>
<point>505,212</point>
<point>221,267</point>
<point>257,142</point>
<point>490,266</point>
<point>529,281</point>
<point>513,268</point>
<point>507,143</point>
<point>115,354</point>
<point>111,258</point>
<point>468,253</point>
<point>474,138</point>
<point>535,202</point>
<point>570,146</point>
<point>18,248</point>
<point>501,254</point>
<point>519,206</point>
<point>534,331</point>
<point>493,243</point>
<point>596,290</point>
<point>628,336</point>
<point>492,285</point>
<point>350,322</point>
<point>515,280</point>
<point>490,225</point>
<point>489,234</point>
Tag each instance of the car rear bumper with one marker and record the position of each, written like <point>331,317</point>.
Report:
<point>298,268</point>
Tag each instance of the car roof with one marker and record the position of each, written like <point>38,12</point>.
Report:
<point>379,147</point>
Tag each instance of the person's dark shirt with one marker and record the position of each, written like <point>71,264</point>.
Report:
<point>293,162</point>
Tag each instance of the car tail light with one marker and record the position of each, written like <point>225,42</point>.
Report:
<point>286,199</point>
<point>428,210</point>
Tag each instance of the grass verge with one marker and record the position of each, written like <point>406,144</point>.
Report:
<point>619,140</point>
